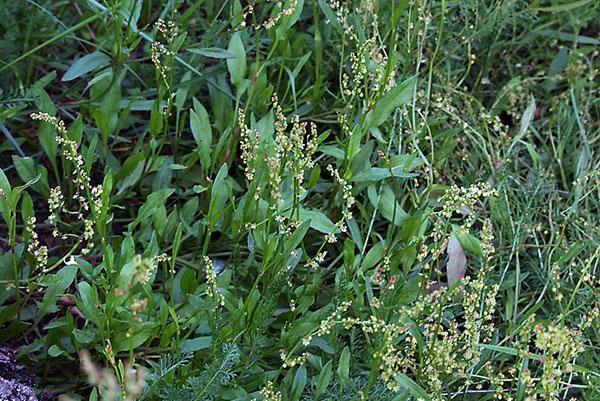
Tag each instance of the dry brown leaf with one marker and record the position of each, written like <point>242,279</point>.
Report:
<point>457,261</point>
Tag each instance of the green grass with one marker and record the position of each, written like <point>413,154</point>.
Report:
<point>413,216</point>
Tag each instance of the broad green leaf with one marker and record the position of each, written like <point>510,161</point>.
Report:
<point>4,183</point>
<point>86,64</point>
<point>58,283</point>
<point>373,257</point>
<point>55,351</point>
<point>14,195</point>
<point>130,172</point>
<point>88,303</point>
<point>28,170</point>
<point>153,202</point>
<point>318,221</point>
<point>202,131</point>
<point>27,208</point>
<point>527,117</point>
<point>559,62</point>
<point>332,151</point>
<point>288,20</point>
<point>237,64</point>
<point>343,369</point>
<point>299,383</point>
<point>218,196</point>
<point>389,208</point>
<point>107,90</point>
<point>294,240</point>
<point>391,100</point>
<point>324,379</point>
<point>123,341</point>
<point>196,344</point>
<point>468,241</point>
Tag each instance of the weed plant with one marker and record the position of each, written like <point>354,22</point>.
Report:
<point>301,199</point>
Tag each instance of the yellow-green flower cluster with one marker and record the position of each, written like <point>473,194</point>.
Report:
<point>39,251</point>
<point>211,280</point>
<point>89,198</point>
<point>249,145</point>
<point>281,9</point>
<point>269,393</point>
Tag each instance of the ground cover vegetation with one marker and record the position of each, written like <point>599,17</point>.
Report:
<point>299,199</point>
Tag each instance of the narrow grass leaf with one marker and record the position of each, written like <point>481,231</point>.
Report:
<point>412,387</point>
<point>213,52</point>
<point>563,7</point>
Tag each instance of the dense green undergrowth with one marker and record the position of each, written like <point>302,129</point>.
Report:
<point>301,199</point>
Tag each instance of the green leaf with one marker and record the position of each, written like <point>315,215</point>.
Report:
<point>567,37</point>
<point>218,196</point>
<point>389,208</point>
<point>468,241</point>
<point>196,344</point>
<point>55,351</point>
<point>156,118</point>
<point>28,170</point>
<point>5,195</point>
<point>527,117</point>
<point>202,131</point>
<point>391,100</point>
<point>373,257</point>
<point>213,52</point>
<point>288,20</point>
<point>563,7</point>
<point>318,221</point>
<point>324,379</point>
<point>88,302</point>
<point>153,202</point>
<point>13,196</point>
<point>4,183</point>
<point>331,17</point>
<point>130,172</point>
<point>86,64</point>
<point>237,65</point>
<point>299,383</point>
<point>559,62</point>
<point>292,242</point>
<point>124,342</point>
<point>412,387</point>
<point>343,369</point>
<point>58,283</point>
<point>379,173</point>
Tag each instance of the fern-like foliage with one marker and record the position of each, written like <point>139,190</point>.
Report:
<point>377,392</point>
<point>173,378</point>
